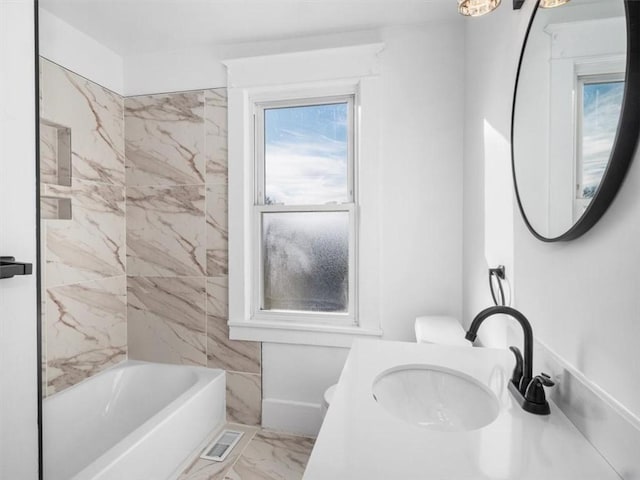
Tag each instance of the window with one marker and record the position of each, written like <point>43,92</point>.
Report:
<point>304,202</point>
<point>304,211</point>
<point>599,104</point>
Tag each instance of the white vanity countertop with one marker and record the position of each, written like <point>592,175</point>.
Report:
<point>361,440</point>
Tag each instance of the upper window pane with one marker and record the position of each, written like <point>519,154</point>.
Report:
<point>306,154</point>
<point>601,105</point>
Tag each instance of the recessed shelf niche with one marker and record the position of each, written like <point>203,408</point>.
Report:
<point>55,154</point>
<point>55,208</point>
<point>55,170</point>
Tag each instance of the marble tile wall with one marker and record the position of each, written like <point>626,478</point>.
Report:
<point>141,268</point>
<point>166,319</point>
<point>84,280</point>
<point>176,216</point>
<point>95,117</point>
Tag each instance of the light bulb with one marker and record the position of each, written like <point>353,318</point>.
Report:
<point>552,3</point>
<point>476,8</point>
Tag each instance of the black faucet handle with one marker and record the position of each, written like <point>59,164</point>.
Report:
<point>545,379</point>
<point>519,368</point>
<point>535,389</point>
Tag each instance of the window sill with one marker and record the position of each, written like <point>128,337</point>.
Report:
<point>299,334</point>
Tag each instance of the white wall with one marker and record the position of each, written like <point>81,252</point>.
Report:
<point>488,193</point>
<point>67,46</point>
<point>174,71</point>
<point>294,379</point>
<point>420,170</point>
<point>421,214</point>
<point>200,68</point>
<point>581,297</point>
<point>18,318</point>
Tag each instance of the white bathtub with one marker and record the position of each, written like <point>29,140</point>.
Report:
<point>135,421</point>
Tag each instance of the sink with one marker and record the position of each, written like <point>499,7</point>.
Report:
<point>435,398</point>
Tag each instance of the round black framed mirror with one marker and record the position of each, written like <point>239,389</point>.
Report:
<point>576,114</point>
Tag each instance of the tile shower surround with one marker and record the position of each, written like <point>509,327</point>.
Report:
<point>141,269</point>
<point>176,209</point>
<point>84,275</point>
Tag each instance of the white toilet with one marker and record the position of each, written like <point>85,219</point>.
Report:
<point>326,398</point>
<point>439,329</point>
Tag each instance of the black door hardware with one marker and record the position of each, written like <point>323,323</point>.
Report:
<point>10,268</point>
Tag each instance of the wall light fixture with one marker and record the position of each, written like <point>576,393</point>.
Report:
<point>477,8</point>
<point>552,3</point>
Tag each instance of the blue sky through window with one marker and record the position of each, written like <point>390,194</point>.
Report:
<point>601,112</point>
<point>306,154</point>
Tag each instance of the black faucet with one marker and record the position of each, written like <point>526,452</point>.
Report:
<point>527,390</point>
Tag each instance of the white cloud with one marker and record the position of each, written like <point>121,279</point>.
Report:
<point>306,172</point>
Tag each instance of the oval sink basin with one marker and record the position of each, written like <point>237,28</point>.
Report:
<point>435,398</point>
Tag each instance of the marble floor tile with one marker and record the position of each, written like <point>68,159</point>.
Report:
<point>232,475</point>
<point>244,398</point>
<point>203,469</point>
<point>86,330</point>
<point>167,319</point>
<point>235,355</point>
<point>215,115</point>
<point>92,244</point>
<point>95,116</point>
<point>217,231</point>
<point>272,456</point>
<point>260,455</point>
<point>165,139</point>
<point>166,231</point>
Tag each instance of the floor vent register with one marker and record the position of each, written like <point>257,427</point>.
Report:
<point>220,448</point>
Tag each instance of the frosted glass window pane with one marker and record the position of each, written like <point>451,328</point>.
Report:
<point>306,261</point>
<point>601,105</point>
<point>306,154</point>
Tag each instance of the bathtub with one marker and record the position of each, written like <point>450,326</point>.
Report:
<point>134,421</point>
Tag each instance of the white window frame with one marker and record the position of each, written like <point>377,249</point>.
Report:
<point>350,318</point>
<point>309,74</point>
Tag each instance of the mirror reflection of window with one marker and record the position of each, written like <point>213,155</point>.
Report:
<point>599,104</point>
<point>566,112</point>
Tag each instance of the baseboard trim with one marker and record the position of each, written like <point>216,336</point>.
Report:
<point>299,418</point>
